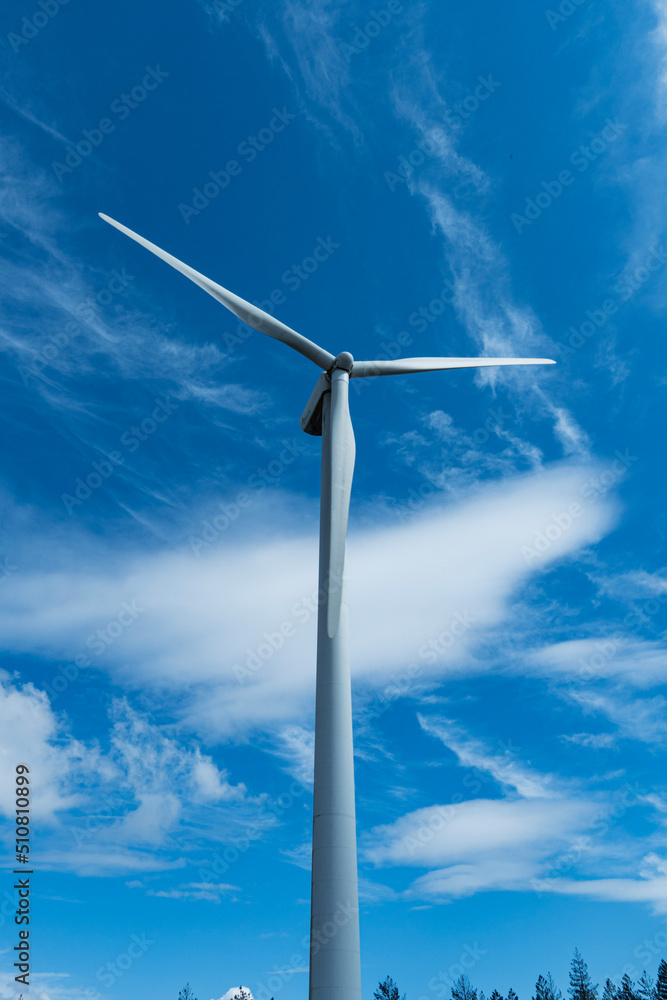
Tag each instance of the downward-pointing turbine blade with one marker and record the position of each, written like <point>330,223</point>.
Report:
<point>342,469</point>
<point>245,311</point>
<point>410,366</point>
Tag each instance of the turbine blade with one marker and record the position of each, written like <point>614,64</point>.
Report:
<point>410,366</point>
<point>342,454</point>
<point>245,311</point>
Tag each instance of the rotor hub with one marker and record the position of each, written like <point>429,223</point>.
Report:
<point>344,361</point>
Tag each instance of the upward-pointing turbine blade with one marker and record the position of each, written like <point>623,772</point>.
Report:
<point>410,366</point>
<point>342,455</point>
<point>246,311</point>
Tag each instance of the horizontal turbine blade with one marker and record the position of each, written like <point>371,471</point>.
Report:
<point>410,366</point>
<point>250,314</point>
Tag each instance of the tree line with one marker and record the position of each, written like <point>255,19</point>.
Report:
<point>581,987</point>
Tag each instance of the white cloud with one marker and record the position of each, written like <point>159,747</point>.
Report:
<point>635,662</point>
<point>231,993</point>
<point>136,808</point>
<point>642,719</point>
<point>210,627</point>
<point>503,767</point>
<point>596,741</point>
<point>213,892</point>
<point>489,830</point>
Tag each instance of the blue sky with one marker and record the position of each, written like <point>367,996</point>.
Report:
<point>404,179</point>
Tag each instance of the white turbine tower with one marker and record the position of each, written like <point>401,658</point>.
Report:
<point>335,972</point>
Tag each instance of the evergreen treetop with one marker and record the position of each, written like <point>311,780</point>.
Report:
<point>388,990</point>
<point>581,985</point>
<point>660,988</point>
<point>463,989</point>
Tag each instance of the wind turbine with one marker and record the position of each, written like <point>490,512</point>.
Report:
<point>335,969</point>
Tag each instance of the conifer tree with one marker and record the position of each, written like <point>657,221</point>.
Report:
<point>388,990</point>
<point>645,988</point>
<point>627,990</point>
<point>242,994</point>
<point>546,989</point>
<point>610,991</point>
<point>581,985</point>
<point>463,989</point>
<point>186,993</point>
<point>511,995</point>
<point>660,988</point>
<point>496,996</point>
